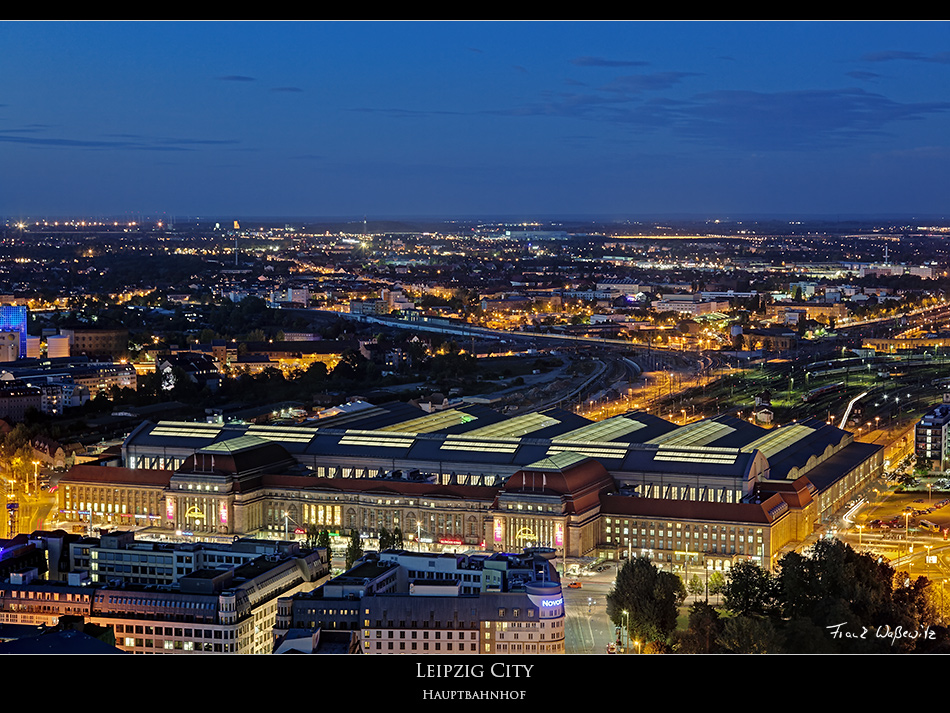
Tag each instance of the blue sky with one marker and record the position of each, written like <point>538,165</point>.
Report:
<point>620,119</point>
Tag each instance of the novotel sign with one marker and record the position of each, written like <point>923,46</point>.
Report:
<point>552,602</point>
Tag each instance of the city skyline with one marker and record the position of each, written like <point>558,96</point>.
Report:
<point>440,119</point>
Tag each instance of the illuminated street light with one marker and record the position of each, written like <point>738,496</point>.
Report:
<point>626,629</point>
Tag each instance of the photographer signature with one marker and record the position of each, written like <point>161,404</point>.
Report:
<point>838,631</point>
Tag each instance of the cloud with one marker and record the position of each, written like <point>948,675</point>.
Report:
<point>28,129</point>
<point>236,78</point>
<point>863,76</point>
<point>747,120</point>
<point>895,55</point>
<point>796,119</point>
<point>405,113</point>
<point>636,83</point>
<point>132,142</point>
<point>602,62</point>
<point>286,89</point>
<point>621,100</point>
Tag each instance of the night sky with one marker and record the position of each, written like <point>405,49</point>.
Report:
<point>517,120</point>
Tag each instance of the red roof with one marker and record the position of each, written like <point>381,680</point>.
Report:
<point>124,476</point>
<point>687,509</point>
<point>395,487</point>
<point>579,486</point>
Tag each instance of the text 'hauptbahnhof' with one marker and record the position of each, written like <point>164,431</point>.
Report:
<point>705,494</point>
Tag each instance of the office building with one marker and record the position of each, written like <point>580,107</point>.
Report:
<point>10,346</point>
<point>13,319</point>
<point>57,346</point>
<point>110,344</point>
<point>214,606</point>
<point>930,437</point>
<point>416,603</point>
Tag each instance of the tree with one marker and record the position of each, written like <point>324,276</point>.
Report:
<point>836,584</point>
<point>354,550</point>
<point>696,586</point>
<point>352,366</point>
<point>717,582</point>
<point>705,628</point>
<point>750,635</point>
<point>649,597</point>
<point>313,535</point>
<point>323,540</point>
<point>385,539</point>
<point>397,538</point>
<point>749,589</point>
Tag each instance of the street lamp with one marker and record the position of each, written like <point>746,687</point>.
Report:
<point>906,530</point>
<point>626,629</point>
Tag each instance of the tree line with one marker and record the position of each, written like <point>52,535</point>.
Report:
<point>832,600</point>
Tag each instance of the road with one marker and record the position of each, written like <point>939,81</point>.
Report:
<point>33,512</point>
<point>587,630</point>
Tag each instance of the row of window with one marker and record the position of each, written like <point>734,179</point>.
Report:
<point>460,636</point>
<point>169,645</point>
<point>179,632</point>
<point>413,646</point>
<point>46,596</point>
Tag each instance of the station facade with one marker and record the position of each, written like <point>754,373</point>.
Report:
<point>701,495</point>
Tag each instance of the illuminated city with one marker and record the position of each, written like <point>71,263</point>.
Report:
<point>497,339</point>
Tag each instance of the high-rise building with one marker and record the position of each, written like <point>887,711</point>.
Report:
<point>13,319</point>
<point>931,436</point>
<point>57,346</point>
<point>9,346</point>
<point>215,599</point>
<point>420,603</point>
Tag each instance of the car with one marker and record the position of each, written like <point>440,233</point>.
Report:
<point>575,585</point>
<point>611,648</point>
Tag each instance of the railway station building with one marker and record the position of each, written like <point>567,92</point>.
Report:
<point>705,494</point>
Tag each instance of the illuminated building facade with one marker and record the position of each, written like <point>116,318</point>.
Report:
<point>471,478</point>
<point>104,343</point>
<point>930,436</point>
<point>13,319</point>
<point>211,610</point>
<point>415,603</point>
